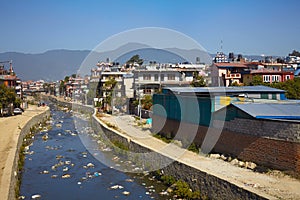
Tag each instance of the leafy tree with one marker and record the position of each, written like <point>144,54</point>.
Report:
<point>198,81</point>
<point>257,80</point>
<point>292,88</point>
<point>146,102</point>
<point>135,59</point>
<point>8,96</point>
<point>108,89</point>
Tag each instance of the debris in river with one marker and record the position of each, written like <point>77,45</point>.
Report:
<point>21,197</point>
<point>96,174</point>
<point>67,162</point>
<point>44,172</point>
<point>65,169</point>
<point>90,165</point>
<point>126,193</point>
<point>114,187</point>
<point>45,137</point>
<point>58,157</point>
<point>36,196</point>
<point>66,176</point>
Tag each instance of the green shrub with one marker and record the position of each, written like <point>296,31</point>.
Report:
<point>193,147</point>
<point>168,180</point>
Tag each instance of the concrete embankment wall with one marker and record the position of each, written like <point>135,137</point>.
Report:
<point>23,132</point>
<point>74,106</point>
<point>209,185</point>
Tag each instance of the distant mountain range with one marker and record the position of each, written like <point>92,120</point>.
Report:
<point>56,64</point>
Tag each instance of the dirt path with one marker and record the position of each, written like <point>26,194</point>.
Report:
<point>10,128</point>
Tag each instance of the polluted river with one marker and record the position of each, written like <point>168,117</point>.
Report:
<point>60,165</point>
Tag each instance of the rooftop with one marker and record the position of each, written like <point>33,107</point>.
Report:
<point>271,110</point>
<point>220,90</point>
<point>231,64</point>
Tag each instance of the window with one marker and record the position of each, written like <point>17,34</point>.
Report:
<point>266,78</point>
<point>287,77</point>
<point>275,78</point>
<point>162,77</point>
<point>147,77</point>
<point>155,77</point>
<point>171,77</point>
<point>147,91</point>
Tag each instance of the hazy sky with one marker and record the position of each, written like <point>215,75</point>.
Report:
<point>269,27</point>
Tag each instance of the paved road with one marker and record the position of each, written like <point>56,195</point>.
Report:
<point>272,187</point>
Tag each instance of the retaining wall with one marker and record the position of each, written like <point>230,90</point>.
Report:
<point>209,185</point>
<point>258,147</point>
<point>24,131</point>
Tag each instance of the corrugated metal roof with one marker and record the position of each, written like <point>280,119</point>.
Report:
<point>271,110</point>
<point>244,89</point>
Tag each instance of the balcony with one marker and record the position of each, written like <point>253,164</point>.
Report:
<point>233,76</point>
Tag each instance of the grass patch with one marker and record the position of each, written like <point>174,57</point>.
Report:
<point>193,147</point>
<point>158,136</point>
<point>180,188</point>
<point>26,141</point>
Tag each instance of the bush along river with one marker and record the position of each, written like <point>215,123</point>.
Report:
<point>57,165</point>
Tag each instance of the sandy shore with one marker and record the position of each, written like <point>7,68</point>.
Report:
<point>10,128</point>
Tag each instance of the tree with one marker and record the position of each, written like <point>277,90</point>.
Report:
<point>135,59</point>
<point>146,102</point>
<point>198,81</point>
<point>108,88</point>
<point>257,80</point>
<point>8,97</point>
<point>292,88</point>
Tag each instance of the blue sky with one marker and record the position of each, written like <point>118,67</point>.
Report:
<point>269,27</point>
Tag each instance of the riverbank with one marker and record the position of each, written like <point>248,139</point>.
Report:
<point>12,131</point>
<point>215,178</point>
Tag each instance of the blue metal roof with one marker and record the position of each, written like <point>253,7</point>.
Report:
<point>244,89</point>
<point>271,110</point>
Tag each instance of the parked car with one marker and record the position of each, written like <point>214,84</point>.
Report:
<point>6,112</point>
<point>17,111</point>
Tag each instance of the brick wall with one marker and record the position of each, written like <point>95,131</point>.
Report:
<point>266,149</point>
<point>289,131</point>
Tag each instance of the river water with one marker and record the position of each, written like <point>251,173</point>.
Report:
<point>58,166</point>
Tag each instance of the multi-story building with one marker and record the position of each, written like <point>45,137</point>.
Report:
<point>10,79</point>
<point>149,79</point>
<point>270,72</point>
<point>225,74</point>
